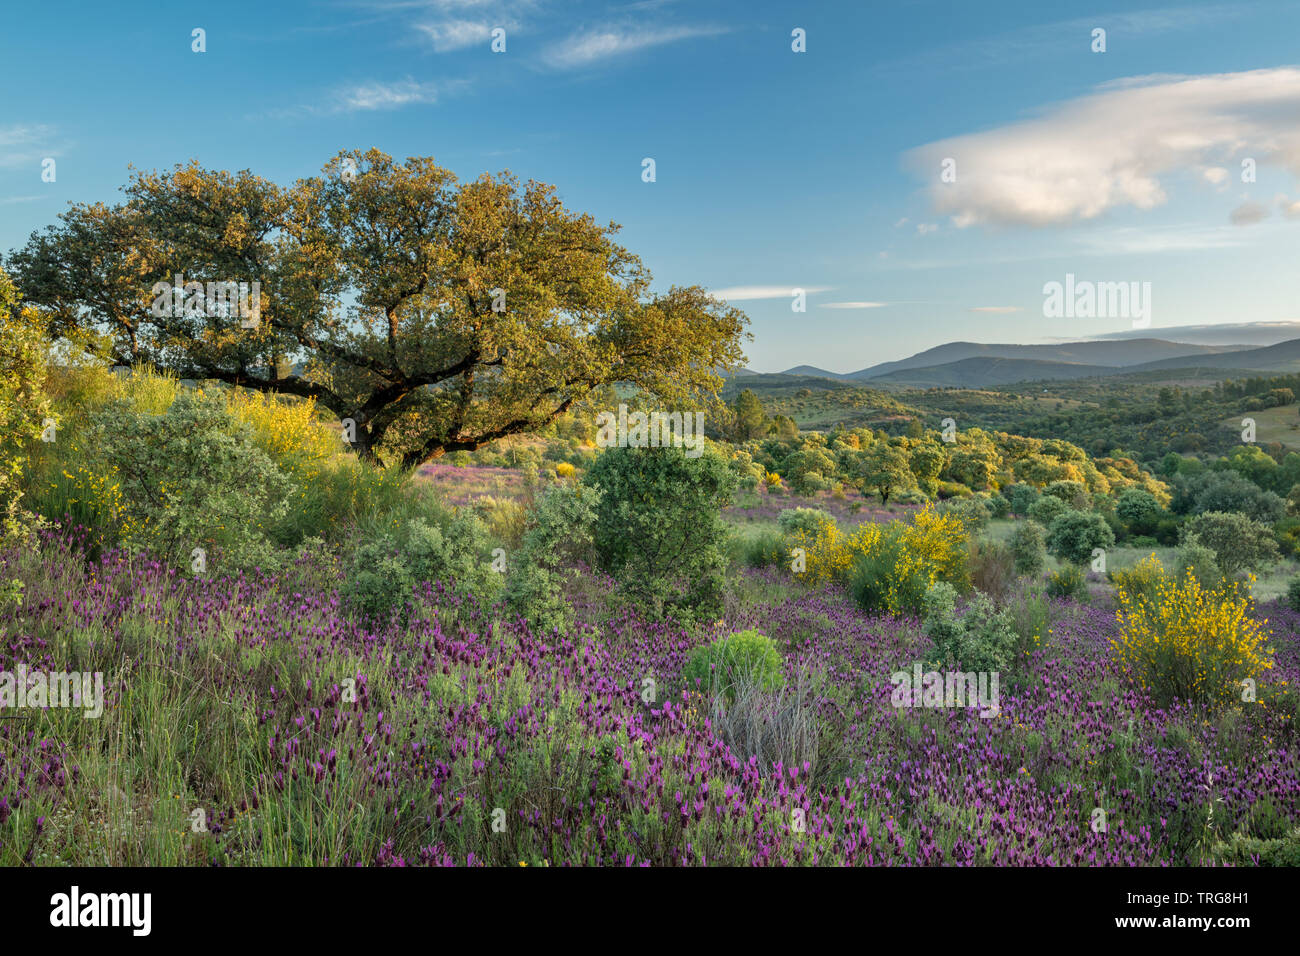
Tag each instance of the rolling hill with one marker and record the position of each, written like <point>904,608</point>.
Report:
<point>1116,353</point>
<point>985,371</point>
<point>1282,357</point>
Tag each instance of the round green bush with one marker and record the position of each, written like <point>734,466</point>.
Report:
<point>1075,535</point>
<point>743,657</point>
<point>1047,509</point>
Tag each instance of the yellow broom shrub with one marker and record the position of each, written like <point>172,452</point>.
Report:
<point>1179,640</point>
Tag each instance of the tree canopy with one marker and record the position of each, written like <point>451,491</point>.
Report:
<point>437,316</point>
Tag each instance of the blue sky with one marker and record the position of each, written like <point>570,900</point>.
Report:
<point>774,169</point>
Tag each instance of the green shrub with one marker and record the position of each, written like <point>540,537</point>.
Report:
<point>1029,547</point>
<point>953,489</point>
<point>1069,582</point>
<point>1022,498</point>
<point>1075,535</point>
<point>981,639</point>
<point>809,483</point>
<point>1287,535</point>
<point>1072,493</point>
<point>1047,509</point>
<point>1240,544</point>
<point>893,571</point>
<point>659,531</point>
<point>1243,850</point>
<point>190,477</point>
<point>1293,594</point>
<point>764,550</point>
<point>746,656</point>
<point>813,521</point>
<point>1200,561</point>
<point>874,573</point>
<point>998,506</point>
<point>1139,510</point>
<point>384,569</point>
<point>559,534</point>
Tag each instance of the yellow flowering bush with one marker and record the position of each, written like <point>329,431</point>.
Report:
<point>290,433</point>
<point>1182,640</point>
<point>564,470</point>
<point>830,554</point>
<point>888,566</point>
<point>23,406</point>
<point>1143,581</point>
<point>933,546</point>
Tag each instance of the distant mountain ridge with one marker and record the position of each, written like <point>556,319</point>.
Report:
<point>985,370</point>
<point>1118,353</point>
<point>979,365</point>
<point>1252,334</point>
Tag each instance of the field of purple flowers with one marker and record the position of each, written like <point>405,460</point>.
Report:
<point>251,722</point>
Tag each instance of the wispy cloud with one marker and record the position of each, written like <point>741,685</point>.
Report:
<point>372,95</point>
<point>742,293</point>
<point>852,305</point>
<point>448,35</point>
<point>11,200</point>
<point>604,43</point>
<point>997,308</point>
<point>26,145</point>
<point>1113,148</point>
<point>385,96</point>
<point>1047,40</point>
<point>1179,238</point>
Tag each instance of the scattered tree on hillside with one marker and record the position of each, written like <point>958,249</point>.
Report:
<point>885,470</point>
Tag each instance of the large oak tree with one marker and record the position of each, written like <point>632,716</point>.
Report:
<point>436,315</point>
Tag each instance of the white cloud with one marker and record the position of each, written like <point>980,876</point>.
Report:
<point>11,200</point>
<point>451,35</point>
<point>592,46</point>
<point>742,293</point>
<point>1179,238</point>
<point>1215,174</point>
<point>925,228</point>
<point>1247,214</point>
<point>26,145</point>
<point>852,305</point>
<point>386,96</point>
<point>1290,209</point>
<point>1112,148</point>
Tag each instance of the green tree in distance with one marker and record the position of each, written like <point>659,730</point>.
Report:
<point>749,420</point>
<point>885,468</point>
